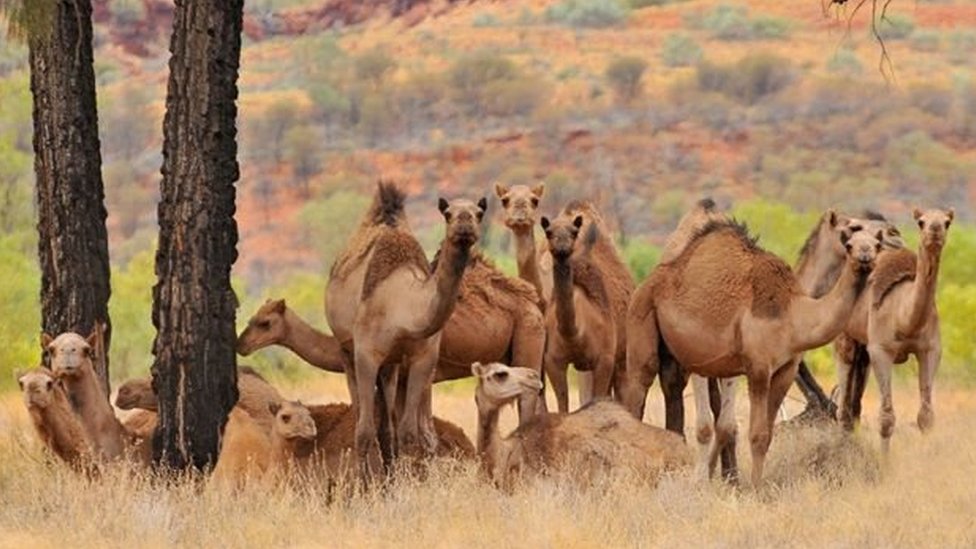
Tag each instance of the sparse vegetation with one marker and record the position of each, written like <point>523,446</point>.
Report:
<point>681,50</point>
<point>587,13</point>
<point>626,75</point>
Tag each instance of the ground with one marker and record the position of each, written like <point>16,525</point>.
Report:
<point>823,489</point>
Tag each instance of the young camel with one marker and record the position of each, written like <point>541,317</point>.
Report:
<point>900,318</point>
<point>594,439</point>
<point>56,423</point>
<point>321,438</point>
<point>383,296</point>
<point>749,318</point>
<point>71,361</point>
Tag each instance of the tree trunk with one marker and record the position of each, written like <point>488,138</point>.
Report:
<point>72,244</point>
<point>195,373</point>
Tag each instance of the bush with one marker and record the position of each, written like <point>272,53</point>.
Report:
<point>302,151</point>
<point>770,28</point>
<point>19,271</point>
<point>373,66</point>
<point>750,79</point>
<point>728,22</point>
<point>483,20</point>
<point>594,14</point>
<point>681,50</point>
<point>518,97</point>
<point>962,44</point>
<point>926,40</point>
<point>625,75</point>
<point>931,98</point>
<point>641,257</point>
<point>895,27</point>
<point>476,79</point>
<point>637,4</point>
<point>845,62</point>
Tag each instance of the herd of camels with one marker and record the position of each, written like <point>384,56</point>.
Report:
<point>716,307</point>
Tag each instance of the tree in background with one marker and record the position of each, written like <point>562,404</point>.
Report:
<point>73,242</point>
<point>194,371</point>
<point>626,76</point>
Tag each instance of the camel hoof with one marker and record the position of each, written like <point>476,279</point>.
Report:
<point>926,419</point>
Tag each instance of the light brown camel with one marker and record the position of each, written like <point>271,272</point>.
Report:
<point>900,318</point>
<point>382,295</point>
<point>57,425</point>
<point>255,396</point>
<point>597,438</point>
<point>71,361</point>
<point>275,324</point>
<point>245,452</point>
<point>585,320</point>
<point>327,445</point>
<point>520,203</point>
<point>140,426</point>
<point>747,318</point>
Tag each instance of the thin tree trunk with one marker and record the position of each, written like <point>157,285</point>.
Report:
<point>73,243</point>
<point>195,373</point>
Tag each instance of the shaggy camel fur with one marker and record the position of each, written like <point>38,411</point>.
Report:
<point>383,296</point>
<point>71,361</point>
<point>245,451</point>
<point>592,440</point>
<point>255,395</point>
<point>591,288</point>
<point>140,426</point>
<point>900,318</point>
<point>327,445</point>
<point>56,423</point>
<point>748,318</point>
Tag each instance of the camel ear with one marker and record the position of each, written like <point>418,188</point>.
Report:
<point>278,306</point>
<point>442,204</point>
<point>539,189</point>
<point>578,222</point>
<point>20,379</point>
<point>951,214</point>
<point>500,190</point>
<point>832,218</point>
<point>483,204</point>
<point>46,340</point>
<point>477,369</point>
<point>92,338</point>
<point>916,214</point>
<point>845,236</point>
<point>880,235</point>
<point>545,223</point>
<point>273,407</point>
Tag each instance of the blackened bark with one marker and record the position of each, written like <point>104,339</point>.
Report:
<point>194,372</point>
<point>72,244</point>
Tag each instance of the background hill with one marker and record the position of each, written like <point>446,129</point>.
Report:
<point>779,110</point>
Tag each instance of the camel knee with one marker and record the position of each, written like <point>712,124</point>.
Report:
<point>887,421</point>
<point>759,442</point>
<point>703,433</point>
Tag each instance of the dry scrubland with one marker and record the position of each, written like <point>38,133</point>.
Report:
<point>823,489</point>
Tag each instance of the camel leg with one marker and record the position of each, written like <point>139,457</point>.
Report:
<point>704,420</point>
<point>721,396</point>
<point>556,370</point>
<point>673,383</point>
<point>642,361</point>
<point>351,378</point>
<point>818,403</point>
<point>882,364</point>
<point>779,385</point>
<point>386,397</point>
<point>586,384</point>
<point>528,350</point>
<point>759,428</point>
<point>860,364</point>
<point>843,360</point>
<point>415,433</point>
<point>928,364</point>
<point>367,369</point>
<point>602,378</point>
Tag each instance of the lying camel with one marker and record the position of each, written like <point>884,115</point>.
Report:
<point>255,395</point>
<point>900,318</point>
<point>57,425</point>
<point>71,361</point>
<point>245,452</point>
<point>383,296</point>
<point>749,318</point>
<point>585,321</point>
<point>322,436</point>
<point>599,437</point>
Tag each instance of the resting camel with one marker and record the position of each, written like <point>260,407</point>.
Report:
<point>245,452</point>
<point>383,296</point>
<point>900,318</point>
<point>71,361</point>
<point>255,395</point>
<point>57,425</point>
<point>749,318</point>
<point>594,439</point>
<point>591,288</point>
<point>496,318</point>
<point>327,443</point>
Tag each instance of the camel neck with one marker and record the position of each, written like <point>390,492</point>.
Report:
<point>818,271</point>
<point>488,437</point>
<point>562,295</point>
<point>313,346</point>
<point>446,282</point>
<point>527,258</point>
<point>923,290</point>
<point>68,437</point>
<point>817,321</point>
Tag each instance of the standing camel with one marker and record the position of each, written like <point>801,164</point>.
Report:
<point>585,320</point>
<point>900,318</point>
<point>383,296</point>
<point>749,317</point>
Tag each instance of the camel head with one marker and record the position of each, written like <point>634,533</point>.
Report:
<point>266,327</point>
<point>70,353</point>
<point>38,386</point>
<point>862,248</point>
<point>136,393</point>
<point>934,225</point>
<point>561,234</point>
<point>499,384</point>
<point>463,219</point>
<point>292,420</point>
<point>872,222</point>
<point>520,203</point>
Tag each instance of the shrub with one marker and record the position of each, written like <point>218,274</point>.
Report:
<point>681,50</point>
<point>373,66</point>
<point>517,97</point>
<point>728,22</point>
<point>845,62</point>
<point>331,105</point>
<point>962,44</point>
<point>770,28</point>
<point>750,79</point>
<point>895,27</point>
<point>477,78</point>
<point>931,98</point>
<point>637,4</point>
<point>302,151</point>
<point>483,20</point>
<point>625,75</point>
<point>587,13</point>
<point>926,40</point>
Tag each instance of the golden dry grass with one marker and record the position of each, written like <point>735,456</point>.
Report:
<point>823,489</point>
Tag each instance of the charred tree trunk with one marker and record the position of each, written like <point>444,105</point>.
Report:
<point>72,244</point>
<point>194,372</point>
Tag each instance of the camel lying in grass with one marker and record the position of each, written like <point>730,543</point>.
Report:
<point>58,427</point>
<point>597,438</point>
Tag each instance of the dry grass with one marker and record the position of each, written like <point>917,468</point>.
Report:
<point>823,488</point>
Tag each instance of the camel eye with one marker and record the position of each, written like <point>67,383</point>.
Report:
<point>535,202</point>
<point>549,235</point>
<point>500,376</point>
<point>893,232</point>
<point>848,247</point>
<point>921,224</point>
<point>50,384</point>
<point>855,228</point>
<point>286,418</point>
<point>264,324</point>
<point>505,202</point>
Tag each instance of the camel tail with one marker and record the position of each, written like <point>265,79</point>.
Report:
<point>388,204</point>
